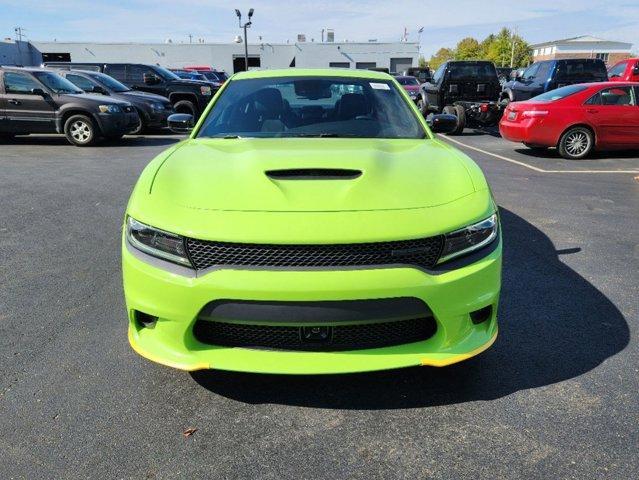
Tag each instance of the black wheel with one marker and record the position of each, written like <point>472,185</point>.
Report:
<point>460,113</point>
<point>80,130</point>
<point>141,128</point>
<point>576,143</point>
<point>185,106</point>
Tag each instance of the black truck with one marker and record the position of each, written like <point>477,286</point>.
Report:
<point>186,96</point>
<point>468,89</point>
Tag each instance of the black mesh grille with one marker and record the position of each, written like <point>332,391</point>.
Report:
<point>422,252</point>
<point>340,338</point>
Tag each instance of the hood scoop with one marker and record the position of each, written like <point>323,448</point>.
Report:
<point>313,174</point>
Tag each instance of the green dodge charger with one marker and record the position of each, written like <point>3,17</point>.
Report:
<point>311,224</point>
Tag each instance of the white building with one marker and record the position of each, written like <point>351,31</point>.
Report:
<point>396,56</point>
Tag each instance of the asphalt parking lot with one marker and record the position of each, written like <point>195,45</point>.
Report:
<point>557,396</point>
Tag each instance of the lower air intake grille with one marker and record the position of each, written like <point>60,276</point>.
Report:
<point>339,338</point>
<point>422,252</point>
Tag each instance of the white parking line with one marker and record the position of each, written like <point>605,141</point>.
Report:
<point>536,169</point>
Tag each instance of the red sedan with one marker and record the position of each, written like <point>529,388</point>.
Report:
<point>576,119</point>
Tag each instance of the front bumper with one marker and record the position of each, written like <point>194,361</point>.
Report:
<point>118,123</point>
<point>176,299</point>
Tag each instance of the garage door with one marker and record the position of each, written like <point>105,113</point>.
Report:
<point>400,65</point>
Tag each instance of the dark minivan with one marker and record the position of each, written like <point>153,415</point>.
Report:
<point>548,75</point>
<point>186,96</point>
<point>33,100</point>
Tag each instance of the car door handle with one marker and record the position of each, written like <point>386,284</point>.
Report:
<point>592,110</point>
<point>15,102</point>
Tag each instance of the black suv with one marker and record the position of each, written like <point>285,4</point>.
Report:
<point>187,96</point>
<point>466,89</point>
<point>548,75</point>
<point>40,101</point>
<point>152,109</point>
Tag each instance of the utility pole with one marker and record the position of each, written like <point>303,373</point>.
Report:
<point>190,38</point>
<point>245,26</point>
<point>512,48</point>
<point>19,32</point>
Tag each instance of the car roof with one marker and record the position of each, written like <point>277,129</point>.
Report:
<point>313,72</point>
<point>26,69</point>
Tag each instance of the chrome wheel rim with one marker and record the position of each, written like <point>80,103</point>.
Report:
<point>577,143</point>
<point>80,131</point>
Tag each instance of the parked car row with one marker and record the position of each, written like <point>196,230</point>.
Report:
<point>41,100</point>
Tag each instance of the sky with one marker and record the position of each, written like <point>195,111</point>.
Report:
<point>277,21</point>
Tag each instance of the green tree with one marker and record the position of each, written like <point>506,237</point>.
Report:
<point>442,55</point>
<point>421,62</point>
<point>468,49</point>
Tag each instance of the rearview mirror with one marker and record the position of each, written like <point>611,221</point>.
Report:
<point>38,91</point>
<point>442,123</point>
<point>180,122</point>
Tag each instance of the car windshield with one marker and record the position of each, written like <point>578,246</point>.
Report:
<point>559,93</point>
<point>109,82</point>
<point>165,73</point>
<point>407,81</point>
<point>215,76</point>
<point>474,71</point>
<point>56,83</point>
<point>311,107</point>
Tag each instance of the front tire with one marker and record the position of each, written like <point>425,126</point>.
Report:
<point>185,106</point>
<point>80,130</point>
<point>576,143</point>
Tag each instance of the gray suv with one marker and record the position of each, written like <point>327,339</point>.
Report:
<point>34,100</point>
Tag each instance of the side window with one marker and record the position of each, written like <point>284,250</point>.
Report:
<point>116,71</point>
<point>81,82</point>
<point>530,72</point>
<point>439,73</point>
<point>543,71</point>
<point>618,70</point>
<point>135,73</point>
<point>594,100</point>
<point>19,83</point>
<point>623,96</point>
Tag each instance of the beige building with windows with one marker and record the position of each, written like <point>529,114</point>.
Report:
<point>585,46</point>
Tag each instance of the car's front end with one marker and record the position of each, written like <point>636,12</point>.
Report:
<point>311,255</point>
<point>154,109</point>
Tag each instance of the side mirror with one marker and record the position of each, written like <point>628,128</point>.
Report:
<point>151,79</point>
<point>99,89</point>
<point>180,122</point>
<point>38,91</point>
<point>635,71</point>
<point>442,123</point>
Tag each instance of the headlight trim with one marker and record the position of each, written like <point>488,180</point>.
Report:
<point>174,257</point>
<point>491,222</point>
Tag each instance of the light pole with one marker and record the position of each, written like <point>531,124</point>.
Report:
<point>245,26</point>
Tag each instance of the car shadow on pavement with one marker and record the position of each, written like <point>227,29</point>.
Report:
<point>553,153</point>
<point>132,141</point>
<point>554,326</point>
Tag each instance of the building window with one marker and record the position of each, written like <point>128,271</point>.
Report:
<point>602,56</point>
<point>365,65</point>
<point>339,65</point>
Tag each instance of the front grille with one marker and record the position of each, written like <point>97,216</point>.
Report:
<point>339,338</point>
<point>422,252</point>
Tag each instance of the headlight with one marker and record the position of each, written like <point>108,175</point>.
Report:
<point>156,242</point>
<point>205,90</point>
<point>110,109</point>
<point>470,238</point>
<point>157,106</point>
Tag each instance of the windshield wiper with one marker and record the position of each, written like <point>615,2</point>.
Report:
<point>322,135</point>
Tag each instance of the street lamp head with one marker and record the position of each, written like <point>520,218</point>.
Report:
<point>251,13</point>
<point>237,12</point>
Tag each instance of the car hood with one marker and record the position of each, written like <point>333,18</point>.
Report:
<point>231,175</point>
<point>190,83</point>
<point>95,98</point>
<point>136,95</point>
